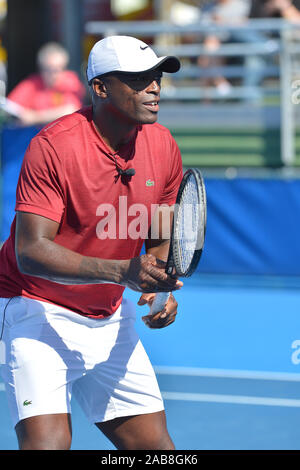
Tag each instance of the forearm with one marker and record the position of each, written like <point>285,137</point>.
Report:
<point>285,8</point>
<point>158,241</point>
<point>291,13</point>
<point>50,114</point>
<point>158,248</point>
<point>31,117</point>
<point>39,255</point>
<point>48,260</point>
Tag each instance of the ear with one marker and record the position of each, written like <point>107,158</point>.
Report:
<point>99,88</point>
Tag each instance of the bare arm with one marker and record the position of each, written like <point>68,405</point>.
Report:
<point>286,9</point>
<point>158,241</point>
<point>30,117</point>
<point>38,255</point>
<point>159,247</point>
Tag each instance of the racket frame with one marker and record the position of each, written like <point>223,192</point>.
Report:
<point>161,298</point>
<point>171,261</point>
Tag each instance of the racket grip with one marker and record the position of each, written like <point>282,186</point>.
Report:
<point>159,302</point>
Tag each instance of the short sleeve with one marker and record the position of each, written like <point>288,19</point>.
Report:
<point>174,176</point>
<point>40,188</point>
<point>22,94</point>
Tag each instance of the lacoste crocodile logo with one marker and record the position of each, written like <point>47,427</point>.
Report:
<point>27,402</point>
<point>149,183</point>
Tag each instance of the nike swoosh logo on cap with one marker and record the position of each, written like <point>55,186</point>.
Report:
<point>143,48</point>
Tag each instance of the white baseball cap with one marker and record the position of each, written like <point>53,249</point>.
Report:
<point>126,54</point>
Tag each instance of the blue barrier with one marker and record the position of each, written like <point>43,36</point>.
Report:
<point>14,141</point>
<point>252,226</point>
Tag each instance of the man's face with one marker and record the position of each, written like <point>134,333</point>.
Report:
<point>52,68</point>
<point>134,97</point>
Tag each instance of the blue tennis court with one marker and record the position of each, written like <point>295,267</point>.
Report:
<point>228,368</point>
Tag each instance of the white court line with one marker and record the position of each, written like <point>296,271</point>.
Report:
<point>231,399</point>
<point>218,398</point>
<point>227,373</point>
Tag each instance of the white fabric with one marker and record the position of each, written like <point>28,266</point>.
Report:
<point>125,54</point>
<point>51,351</point>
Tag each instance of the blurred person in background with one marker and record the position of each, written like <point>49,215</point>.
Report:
<point>221,12</point>
<point>51,93</point>
<point>284,9</point>
<point>238,12</point>
<point>3,53</point>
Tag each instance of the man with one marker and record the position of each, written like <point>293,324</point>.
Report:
<point>86,196</point>
<point>221,12</point>
<point>52,92</point>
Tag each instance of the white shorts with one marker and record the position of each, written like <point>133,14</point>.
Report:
<point>51,352</point>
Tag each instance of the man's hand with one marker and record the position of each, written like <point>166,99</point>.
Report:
<point>277,6</point>
<point>161,319</point>
<point>147,274</point>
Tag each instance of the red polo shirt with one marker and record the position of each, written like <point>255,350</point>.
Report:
<point>32,93</point>
<point>69,175</point>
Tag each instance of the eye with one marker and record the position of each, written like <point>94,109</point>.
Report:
<point>147,78</point>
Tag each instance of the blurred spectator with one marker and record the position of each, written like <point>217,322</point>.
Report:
<point>184,13</point>
<point>226,11</point>
<point>264,9</point>
<point>3,71</point>
<point>3,54</point>
<point>52,92</point>
<point>221,12</point>
<point>238,12</point>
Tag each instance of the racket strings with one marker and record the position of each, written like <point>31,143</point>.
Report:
<point>190,221</point>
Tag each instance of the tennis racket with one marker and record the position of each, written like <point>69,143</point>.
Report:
<point>188,232</point>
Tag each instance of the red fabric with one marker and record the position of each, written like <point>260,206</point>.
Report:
<point>67,173</point>
<point>33,94</point>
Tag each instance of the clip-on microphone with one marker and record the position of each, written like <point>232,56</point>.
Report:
<point>128,172</point>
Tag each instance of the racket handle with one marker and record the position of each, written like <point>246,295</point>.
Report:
<point>159,302</point>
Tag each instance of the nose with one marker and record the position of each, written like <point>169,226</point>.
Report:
<point>154,86</point>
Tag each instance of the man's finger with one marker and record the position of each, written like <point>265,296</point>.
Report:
<point>146,299</point>
<point>142,300</point>
<point>158,323</point>
<point>160,263</point>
